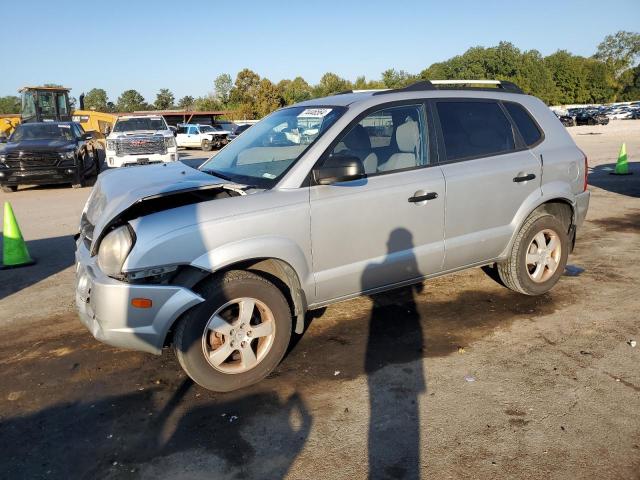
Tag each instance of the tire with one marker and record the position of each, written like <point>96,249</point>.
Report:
<point>192,340</point>
<point>206,146</point>
<point>517,274</point>
<point>9,188</point>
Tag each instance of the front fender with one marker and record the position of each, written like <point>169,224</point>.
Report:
<point>256,248</point>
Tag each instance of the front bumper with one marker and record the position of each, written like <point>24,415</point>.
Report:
<point>582,205</point>
<point>114,160</point>
<point>38,176</point>
<point>104,306</point>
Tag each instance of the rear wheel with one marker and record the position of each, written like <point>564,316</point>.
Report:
<point>538,256</point>
<point>206,145</point>
<point>237,336</point>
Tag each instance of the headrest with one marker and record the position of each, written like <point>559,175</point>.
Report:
<point>357,139</point>
<point>408,136</point>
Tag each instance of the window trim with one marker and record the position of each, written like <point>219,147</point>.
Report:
<point>533,119</point>
<point>427,121</point>
<point>519,144</point>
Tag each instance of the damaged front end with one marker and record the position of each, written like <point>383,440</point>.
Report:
<point>105,228</point>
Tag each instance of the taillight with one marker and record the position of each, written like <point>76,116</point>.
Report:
<point>586,171</point>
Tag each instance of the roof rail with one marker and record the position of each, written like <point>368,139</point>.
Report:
<point>503,85</point>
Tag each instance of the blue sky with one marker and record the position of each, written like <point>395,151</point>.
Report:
<point>183,46</point>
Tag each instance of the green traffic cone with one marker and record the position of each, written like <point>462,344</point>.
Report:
<point>14,248</point>
<point>622,165</point>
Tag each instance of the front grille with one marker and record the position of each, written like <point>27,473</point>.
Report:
<point>23,159</point>
<point>141,146</point>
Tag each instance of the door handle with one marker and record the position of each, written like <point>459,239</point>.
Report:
<point>524,178</point>
<point>423,198</point>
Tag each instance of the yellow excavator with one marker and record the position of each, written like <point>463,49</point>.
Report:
<point>42,104</point>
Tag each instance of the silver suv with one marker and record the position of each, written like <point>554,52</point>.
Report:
<point>321,202</point>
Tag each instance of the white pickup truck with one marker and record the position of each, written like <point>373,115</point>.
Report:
<point>140,140</point>
<point>205,137</point>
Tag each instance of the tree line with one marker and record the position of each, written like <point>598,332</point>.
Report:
<point>611,74</point>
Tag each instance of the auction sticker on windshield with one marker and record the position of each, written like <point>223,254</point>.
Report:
<point>315,113</point>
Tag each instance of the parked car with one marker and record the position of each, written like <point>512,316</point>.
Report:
<point>591,118</point>
<point>320,202</point>
<point>140,140</point>
<point>565,119</point>
<point>47,153</point>
<point>238,130</point>
<point>205,137</point>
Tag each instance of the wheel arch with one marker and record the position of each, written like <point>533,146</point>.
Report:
<point>277,271</point>
<point>561,206</point>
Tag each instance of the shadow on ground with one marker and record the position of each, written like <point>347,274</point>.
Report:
<point>601,177</point>
<point>52,255</point>
<point>76,408</point>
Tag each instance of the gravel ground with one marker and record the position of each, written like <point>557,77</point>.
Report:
<point>544,387</point>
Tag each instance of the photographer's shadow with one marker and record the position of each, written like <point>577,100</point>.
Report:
<point>395,336</point>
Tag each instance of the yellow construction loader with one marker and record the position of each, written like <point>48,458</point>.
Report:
<point>41,104</point>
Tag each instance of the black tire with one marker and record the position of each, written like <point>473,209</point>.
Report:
<point>206,145</point>
<point>514,271</point>
<point>187,340</point>
<point>9,188</point>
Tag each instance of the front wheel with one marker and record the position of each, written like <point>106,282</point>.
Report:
<point>237,336</point>
<point>538,256</point>
<point>206,146</point>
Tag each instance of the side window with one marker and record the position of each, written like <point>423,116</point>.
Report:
<point>193,130</point>
<point>474,129</point>
<point>387,140</point>
<point>526,125</point>
<point>182,130</point>
<point>78,130</point>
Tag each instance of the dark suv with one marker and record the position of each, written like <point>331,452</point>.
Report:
<point>48,152</point>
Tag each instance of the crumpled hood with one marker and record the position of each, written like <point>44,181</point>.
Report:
<point>118,189</point>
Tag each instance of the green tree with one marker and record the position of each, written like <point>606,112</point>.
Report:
<point>164,99</point>
<point>186,103</point>
<point>268,98</point>
<point>96,99</point>
<point>9,104</point>
<point>397,78</point>
<point>207,103</point>
<point>245,87</point>
<point>330,84</point>
<point>630,84</point>
<point>222,86</point>
<point>620,50</point>
<point>294,91</point>
<point>130,101</point>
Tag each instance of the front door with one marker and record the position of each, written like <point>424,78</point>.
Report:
<point>385,229</point>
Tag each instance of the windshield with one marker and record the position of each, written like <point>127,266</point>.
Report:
<point>266,151</point>
<point>143,123</point>
<point>206,129</point>
<point>42,131</point>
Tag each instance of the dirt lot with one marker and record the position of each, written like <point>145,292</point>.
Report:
<point>545,387</point>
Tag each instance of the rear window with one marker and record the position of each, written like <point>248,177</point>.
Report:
<point>527,127</point>
<point>474,129</point>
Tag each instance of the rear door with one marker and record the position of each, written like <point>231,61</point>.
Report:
<point>387,228</point>
<point>489,173</point>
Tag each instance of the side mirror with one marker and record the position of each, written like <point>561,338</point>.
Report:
<point>339,169</point>
<point>107,130</point>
